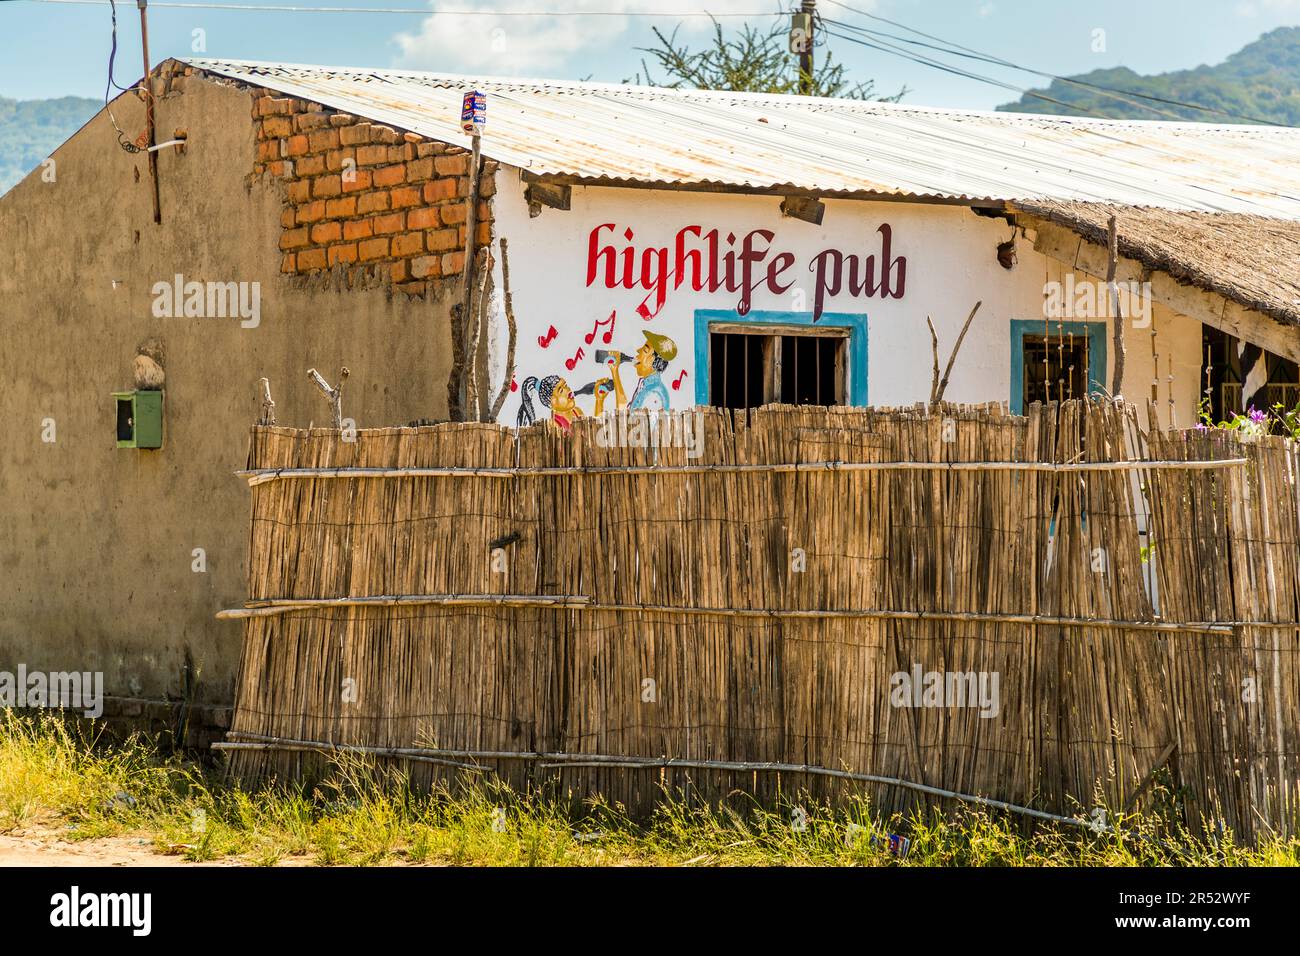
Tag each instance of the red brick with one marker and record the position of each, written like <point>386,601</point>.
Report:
<point>453,263</point>
<point>310,259</point>
<point>274,127</point>
<point>326,232</point>
<point>343,252</point>
<point>372,249</point>
<point>386,225</point>
<point>425,217</point>
<point>390,175</point>
<point>405,196</point>
<point>413,288</point>
<point>268,150</point>
<point>289,217</point>
<point>452,215</point>
<point>400,270</point>
<point>372,155</point>
<point>401,153</point>
<point>310,165</point>
<point>385,134</point>
<point>323,139</point>
<point>426,266</point>
<point>359,229</point>
<point>296,146</point>
<point>335,157</point>
<point>299,191</point>
<point>357,135</point>
<point>418,170</point>
<point>282,168</point>
<point>311,212</point>
<point>326,186</point>
<point>289,263</point>
<point>356,180</point>
<point>294,238</point>
<point>443,240</point>
<point>440,190</point>
<point>487,186</point>
<point>270,106</point>
<point>408,244</point>
<point>342,119</point>
<point>341,208</point>
<point>372,202</point>
<point>305,122</point>
<point>412,137</point>
<point>457,165</point>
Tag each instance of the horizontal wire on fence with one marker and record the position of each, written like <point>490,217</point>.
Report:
<point>258,476</point>
<point>273,606</point>
<point>571,760</point>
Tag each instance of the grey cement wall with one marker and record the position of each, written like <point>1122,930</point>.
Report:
<point>96,542</point>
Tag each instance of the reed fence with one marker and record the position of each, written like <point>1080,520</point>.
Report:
<point>553,607</point>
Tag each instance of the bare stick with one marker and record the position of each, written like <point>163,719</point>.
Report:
<point>943,384</point>
<point>335,394</point>
<point>514,332</point>
<point>1112,293</point>
<point>934,350</point>
<point>268,406</point>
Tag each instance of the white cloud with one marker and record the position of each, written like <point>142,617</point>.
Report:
<point>1252,8</point>
<point>519,45</point>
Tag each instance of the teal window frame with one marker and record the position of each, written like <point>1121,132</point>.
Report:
<point>855,322</point>
<point>1098,354</point>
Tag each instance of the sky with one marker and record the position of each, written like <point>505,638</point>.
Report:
<point>59,48</point>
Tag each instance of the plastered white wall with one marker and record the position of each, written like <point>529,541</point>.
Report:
<point>951,263</point>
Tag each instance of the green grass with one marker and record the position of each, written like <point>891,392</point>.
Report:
<point>52,775</point>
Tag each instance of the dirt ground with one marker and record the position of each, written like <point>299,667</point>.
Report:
<point>41,846</point>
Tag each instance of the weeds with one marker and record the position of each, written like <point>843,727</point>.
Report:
<point>53,773</point>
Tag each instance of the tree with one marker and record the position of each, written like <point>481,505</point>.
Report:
<point>751,61</point>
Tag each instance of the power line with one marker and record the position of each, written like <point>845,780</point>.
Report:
<point>953,49</point>
<point>420,11</point>
<point>956,71</point>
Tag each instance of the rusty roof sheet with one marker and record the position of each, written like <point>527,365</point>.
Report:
<point>610,132</point>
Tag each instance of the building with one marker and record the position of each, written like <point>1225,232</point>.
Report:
<point>663,248</point>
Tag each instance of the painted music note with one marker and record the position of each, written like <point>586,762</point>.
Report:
<point>546,340</point>
<point>677,382</point>
<point>608,336</point>
<point>571,363</point>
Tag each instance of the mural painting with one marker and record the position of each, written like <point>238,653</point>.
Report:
<point>554,393</point>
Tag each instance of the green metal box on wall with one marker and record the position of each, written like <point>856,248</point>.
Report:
<point>139,419</point>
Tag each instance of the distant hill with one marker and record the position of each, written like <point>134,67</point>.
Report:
<point>31,129</point>
<point>1260,80</point>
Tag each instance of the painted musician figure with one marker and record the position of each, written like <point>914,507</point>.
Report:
<point>650,362</point>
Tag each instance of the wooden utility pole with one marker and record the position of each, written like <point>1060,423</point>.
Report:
<point>801,41</point>
<point>146,87</point>
<point>1112,297</point>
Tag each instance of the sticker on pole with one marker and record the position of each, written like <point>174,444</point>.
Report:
<point>473,112</point>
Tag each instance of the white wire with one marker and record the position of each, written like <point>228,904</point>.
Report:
<point>424,11</point>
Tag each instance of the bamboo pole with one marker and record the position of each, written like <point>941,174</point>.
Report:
<point>259,476</point>
<point>552,760</point>
<point>275,606</point>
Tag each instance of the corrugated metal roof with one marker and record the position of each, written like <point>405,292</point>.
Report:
<point>604,131</point>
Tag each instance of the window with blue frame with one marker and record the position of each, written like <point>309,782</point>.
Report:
<point>1056,361</point>
<point>742,361</point>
